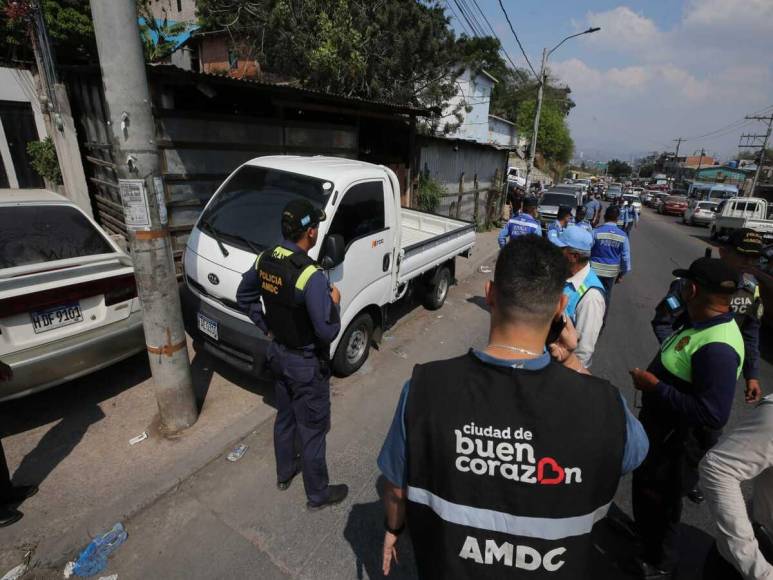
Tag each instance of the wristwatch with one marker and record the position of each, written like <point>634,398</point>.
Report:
<point>394,531</point>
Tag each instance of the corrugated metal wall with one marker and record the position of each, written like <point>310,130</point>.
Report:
<point>446,160</point>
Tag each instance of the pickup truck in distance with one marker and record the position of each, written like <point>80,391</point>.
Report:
<point>742,212</point>
<point>373,250</point>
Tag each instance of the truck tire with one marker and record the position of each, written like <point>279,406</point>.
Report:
<point>437,289</point>
<point>354,348</point>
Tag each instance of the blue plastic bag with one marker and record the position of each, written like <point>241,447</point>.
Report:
<point>93,559</point>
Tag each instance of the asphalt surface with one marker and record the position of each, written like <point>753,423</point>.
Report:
<point>229,520</point>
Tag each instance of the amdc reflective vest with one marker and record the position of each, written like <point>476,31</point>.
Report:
<point>283,277</point>
<point>677,351</point>
<point>509,469</point>
<point>577,294</point>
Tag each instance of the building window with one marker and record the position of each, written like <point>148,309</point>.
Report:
<point>233,59</point>
<point>179,6</point>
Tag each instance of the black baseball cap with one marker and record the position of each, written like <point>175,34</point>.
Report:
<point>746,241</point>
<point>712,274</point>
<point>300,214</point>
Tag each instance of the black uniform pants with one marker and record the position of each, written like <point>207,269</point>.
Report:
<point>5,476</point>
<point>658,487</point>
<point>302,392</point>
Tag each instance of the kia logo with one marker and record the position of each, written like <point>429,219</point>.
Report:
<point>213,279</point>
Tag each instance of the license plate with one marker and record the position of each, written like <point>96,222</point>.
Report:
<point>208,326</point>
<point>56,317</point>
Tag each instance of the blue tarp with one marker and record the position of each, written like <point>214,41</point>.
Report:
<point>177,39</point>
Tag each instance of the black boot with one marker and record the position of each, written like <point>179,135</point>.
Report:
<point>9,516</point>
<point>336,494</point>
<point>18,493</point>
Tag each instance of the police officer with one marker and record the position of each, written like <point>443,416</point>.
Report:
<point>499,481</point>
<point>522,223</point>
<point>300,311</point>
<point>611,254</point>
<point>563,219</point>
<point>688,387</point>
<point>741,253</point>
<point>581,219</point>
<point>593,209</point>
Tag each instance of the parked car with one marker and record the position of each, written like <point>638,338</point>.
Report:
<point>742,212</point>
<point>673,205</point>
<point>577,190</point>
<point>68,299</point>
<point>699,213</point>
<point>373,250</point>
<point>551,201</point>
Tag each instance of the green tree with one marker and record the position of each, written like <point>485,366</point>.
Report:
<point>554,141</point>
<point>68,23</point>
<point>163,31</point>
<point>617,168</point>
<point>646,170</point>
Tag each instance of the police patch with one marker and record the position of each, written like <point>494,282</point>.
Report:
<point>682,343</point>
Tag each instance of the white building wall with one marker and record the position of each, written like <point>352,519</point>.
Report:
<point>473,91</point>
<point>17,85</point>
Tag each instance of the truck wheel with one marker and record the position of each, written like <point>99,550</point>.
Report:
<point>438,289</point>
<point>354,348</point>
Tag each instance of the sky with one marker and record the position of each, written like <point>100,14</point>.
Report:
<point>657,70</point>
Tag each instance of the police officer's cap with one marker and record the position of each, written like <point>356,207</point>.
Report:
<point>530,202</point>
<point>299,214</point>
<point>746,241</point>
<point>712,274</point>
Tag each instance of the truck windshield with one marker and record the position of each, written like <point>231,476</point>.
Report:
<point>247,212</point>
<point>558,199</point>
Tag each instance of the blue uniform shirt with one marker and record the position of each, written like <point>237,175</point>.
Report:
<point>611,252</point>
<point>519,225</point>
<point>592,208</point>
<point>554,230</point>
<point>324,314</point>
<point>585,224</point>
<point>393,463</point>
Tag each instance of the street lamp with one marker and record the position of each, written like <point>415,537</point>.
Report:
<point>542,73</point>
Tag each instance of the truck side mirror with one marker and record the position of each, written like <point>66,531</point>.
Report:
<point>333,251</point>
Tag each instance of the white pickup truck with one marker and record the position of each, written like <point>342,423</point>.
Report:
<point>742,212</point>
<point>373,249</point>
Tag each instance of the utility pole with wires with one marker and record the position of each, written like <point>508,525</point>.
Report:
<point>138,164</point>
<point>753,142</point>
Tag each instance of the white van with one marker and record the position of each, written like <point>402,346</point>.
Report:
<point>372,248</point>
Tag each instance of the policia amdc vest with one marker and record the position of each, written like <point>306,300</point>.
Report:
<point>283,277</point>
<point>509,469</point>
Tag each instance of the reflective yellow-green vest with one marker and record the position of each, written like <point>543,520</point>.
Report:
<point>677,351</point>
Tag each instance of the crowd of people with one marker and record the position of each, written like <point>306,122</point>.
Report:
<point>450,461</point>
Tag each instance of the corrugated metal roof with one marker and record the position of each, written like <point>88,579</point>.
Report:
<point>176,72</point>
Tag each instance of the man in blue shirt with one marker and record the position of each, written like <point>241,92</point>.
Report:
<point>563,219</point>
<point>610,257</point>
<point>521,224</point>
<point>512,377</point>
<point>593,209</point>
<point>581,219</point>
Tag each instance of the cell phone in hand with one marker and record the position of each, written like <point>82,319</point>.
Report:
<point>556,328</point>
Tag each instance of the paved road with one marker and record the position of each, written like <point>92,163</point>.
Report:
<point>230,521</point>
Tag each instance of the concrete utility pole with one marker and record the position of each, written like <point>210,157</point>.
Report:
<point>142,192</point>
<point>541,80</point>
<point>769,119</point>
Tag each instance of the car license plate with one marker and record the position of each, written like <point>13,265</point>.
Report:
<point>56,317</point>
<point>208,326</point>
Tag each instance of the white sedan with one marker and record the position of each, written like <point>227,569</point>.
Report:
<point>68,299</point>
<point>700,213</point>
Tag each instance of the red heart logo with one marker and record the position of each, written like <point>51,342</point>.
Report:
<point>553,464</point>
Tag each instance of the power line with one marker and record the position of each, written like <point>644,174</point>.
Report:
<point>473,18</point>
<point>461,22</point>
<point>512,29</point>
<point>734,126</point>
<point>466,18</point>
<point>501,44</point>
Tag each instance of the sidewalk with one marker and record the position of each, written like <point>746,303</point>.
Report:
<point>73,441</point>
